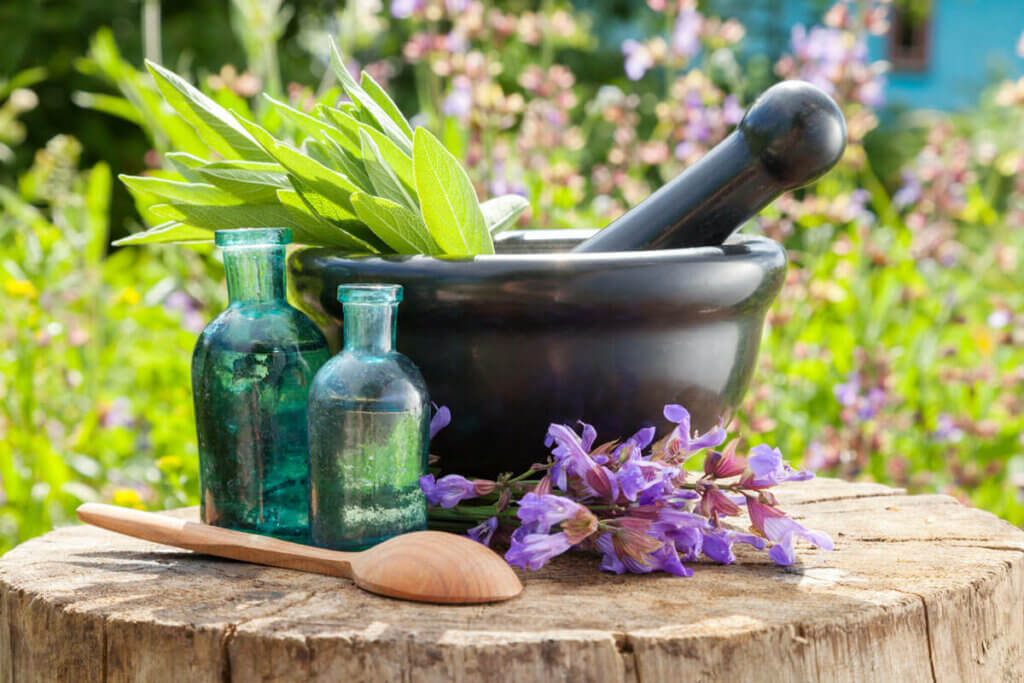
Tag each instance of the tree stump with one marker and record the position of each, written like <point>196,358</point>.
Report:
<point>919,588</point>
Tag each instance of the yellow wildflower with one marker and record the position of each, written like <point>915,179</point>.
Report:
<point>169,463</point>
<point>129,296</point>
<point>20,288</point>
<point>128,498</point>
<point>984,342</point>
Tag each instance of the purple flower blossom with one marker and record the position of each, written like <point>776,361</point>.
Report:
<point>872,403</point>
<point>572,457</point>
<point>732,112</point>
<point>784,531</point>
<point>767,468</point>
<point>725,464</point>
<point>686,34</point>
<point>459,102</point>
<point>714,503</point>
<point>403,9</point>
<point>683,529</point>
<point>484,531</point>
<point>947,429</point>
<point>448,491</point>
<point>545,511</point>
<point>684,149</point>
<point>652,526</point>
<point>639,478</point>
<point>909,193</point>
<point>638,59</point>
<point>846,393</point>
<point>442,418</point>
<point>718,543</point>
<point>680,442</point>
<point>664,558</point>
<point>191,314</point>
<point>118,414</point>
<point>531,550</point>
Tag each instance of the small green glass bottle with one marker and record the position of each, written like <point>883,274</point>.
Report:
<point>251,372</point>
<point>369,430</point>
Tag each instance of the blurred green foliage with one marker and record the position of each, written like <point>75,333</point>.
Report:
<point>894,352</point>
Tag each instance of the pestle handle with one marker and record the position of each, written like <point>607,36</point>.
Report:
<point>791,135</point>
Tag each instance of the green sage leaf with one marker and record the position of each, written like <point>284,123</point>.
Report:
<point>501,212</point>
<point>339,130</point>
<point>449,204</point>
<point>367,103</point>
<point>310,125</point>
<point>351,165</point>
<point>334,186</point>
<point>392,157</point>
<point>401,229</point>
<point>316,228</point>
<point>186,164</point>
<point>253,216</point>
<point>214,124</point>
<point>383,179</point>
<point>255,182</point>
<point>339,216</point>
<point>192,193</point>
<point>165,233</point>
<point>384,101</point>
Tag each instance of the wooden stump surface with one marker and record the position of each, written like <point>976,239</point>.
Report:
<point>919,588</point>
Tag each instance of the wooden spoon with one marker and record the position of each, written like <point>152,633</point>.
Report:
<point>426,566</point>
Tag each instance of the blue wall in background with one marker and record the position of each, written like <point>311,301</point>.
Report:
<point>973,43</point>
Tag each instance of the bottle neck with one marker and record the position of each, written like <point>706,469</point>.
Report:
<point>370,328</point>
<point>255,273</point>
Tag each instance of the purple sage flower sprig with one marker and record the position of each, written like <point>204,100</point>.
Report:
<point>632,501</point>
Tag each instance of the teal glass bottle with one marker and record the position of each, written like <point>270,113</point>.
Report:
<point>251,372</point>
<point>369,430</point>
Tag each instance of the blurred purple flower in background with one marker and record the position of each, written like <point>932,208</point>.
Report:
<point>192,316</point>
<point>403,9</point>
<point>117,414</point>
<point>946,429</point>
<point>732,112</point>
<point>686,34</point>
<point>459,102</point>
<point>910,192</point>
<point>638,59</point>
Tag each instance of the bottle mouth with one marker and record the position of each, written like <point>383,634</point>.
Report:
<point>253,237</point>
<point>369,294</point>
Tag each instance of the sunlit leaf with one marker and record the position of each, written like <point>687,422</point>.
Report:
<point>502,212</point>
<point>449,204</point>
<point>215,125</point>
<point>383,179</point>
<point>403,230</point>
<point>166,233</point>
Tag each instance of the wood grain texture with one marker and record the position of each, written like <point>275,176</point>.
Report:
<point>919,588</point>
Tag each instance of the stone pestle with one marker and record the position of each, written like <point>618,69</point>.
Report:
<point>791,135</point>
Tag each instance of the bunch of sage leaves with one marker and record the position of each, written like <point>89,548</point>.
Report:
<point>362,179</point>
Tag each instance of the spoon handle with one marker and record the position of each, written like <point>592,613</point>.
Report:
<point>212,540</point>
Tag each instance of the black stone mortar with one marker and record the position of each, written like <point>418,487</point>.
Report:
<point>532,335</point>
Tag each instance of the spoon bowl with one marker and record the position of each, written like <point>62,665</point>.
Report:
<point>423,566</point>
